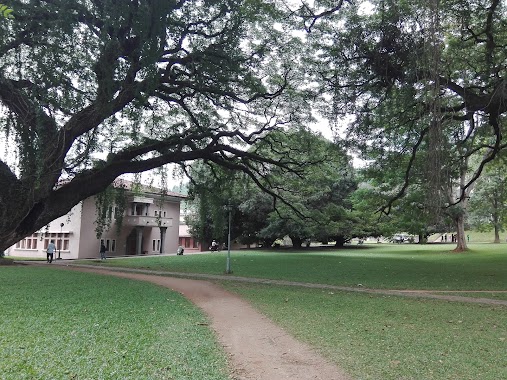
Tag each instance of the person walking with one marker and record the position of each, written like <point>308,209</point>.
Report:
<point>103,251</point>
<point>50,251</point>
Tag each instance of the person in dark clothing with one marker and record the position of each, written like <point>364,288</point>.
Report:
<point>103,251</point>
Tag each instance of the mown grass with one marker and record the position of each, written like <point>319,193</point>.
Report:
<point>371,336</point>
<point>60,324</point>
<point>383,337</point>
<point>385,266</point>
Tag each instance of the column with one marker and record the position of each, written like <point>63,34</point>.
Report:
<point>163,231</point>
<point>139,240</point>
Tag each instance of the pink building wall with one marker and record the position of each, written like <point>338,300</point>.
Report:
<point>77,239</point>
<point>187,241</point>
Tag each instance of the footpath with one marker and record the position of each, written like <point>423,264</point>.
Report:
<point>257,348</point>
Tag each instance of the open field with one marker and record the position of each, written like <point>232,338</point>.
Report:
<point>384,266</point>
<point>378,337</point>
<point>68,325</point>
<point>389,338</point>
<point>370,336</point>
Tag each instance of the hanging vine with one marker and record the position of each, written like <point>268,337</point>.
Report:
<point>110,206</point>
<point>436,171</point>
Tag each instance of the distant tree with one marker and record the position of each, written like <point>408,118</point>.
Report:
<point>308,202</point>
<point>253,214</point>
<point>317,196</point>
<point>488,202</point>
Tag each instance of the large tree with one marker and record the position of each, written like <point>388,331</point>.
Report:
<point>309,201</point>
<point>90,90</point>
<point>318,206</point>
<point>426,83</point>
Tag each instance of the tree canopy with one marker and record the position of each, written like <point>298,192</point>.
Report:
<point>311,201</point>
<point>425,84</point>
<point>90,90</point>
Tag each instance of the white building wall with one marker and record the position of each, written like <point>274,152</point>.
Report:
<point>79,227</point>
<point>71,227</point>
<point>89,245</point>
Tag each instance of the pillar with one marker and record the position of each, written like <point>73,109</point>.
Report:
<point>139,240</point>
<point>163,231</point>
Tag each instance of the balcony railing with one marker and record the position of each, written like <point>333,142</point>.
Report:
<point>148,221</point>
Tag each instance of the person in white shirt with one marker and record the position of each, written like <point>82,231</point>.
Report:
<point>50,251</point>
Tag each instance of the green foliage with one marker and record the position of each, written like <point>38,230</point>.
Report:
<point>6,12</point>
<point>317,189</point>
<point>209,193</point>
<point>110,205</point>
<point>305,196</point>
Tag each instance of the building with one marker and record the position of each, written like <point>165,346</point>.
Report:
<point>187,241</point>
<point>150,226</point>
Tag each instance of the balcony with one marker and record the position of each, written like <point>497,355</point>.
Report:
<point>147,221</point>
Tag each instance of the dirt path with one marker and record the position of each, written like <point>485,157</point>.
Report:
<point>257,348</point>
<point>445,295</point>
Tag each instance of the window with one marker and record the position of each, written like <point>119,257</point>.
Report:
<point>164,214</point>
<point>156,213</point>
<point>187,242</point>
<point>60,239</point>
<point>110,244</point>
<point>156,245</point>
<point>28,242</point>
<point>195,243</point>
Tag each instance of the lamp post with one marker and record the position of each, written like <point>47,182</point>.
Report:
<point>228,264</point>
<point>61,240</point>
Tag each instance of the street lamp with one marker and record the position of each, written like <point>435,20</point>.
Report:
<point>61,238</point>
<point>228,265</point>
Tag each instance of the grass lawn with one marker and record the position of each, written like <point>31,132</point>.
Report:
<point>382,337</point>
<point>60,324</point>
<point>371,336</point>
<point>386,266</point>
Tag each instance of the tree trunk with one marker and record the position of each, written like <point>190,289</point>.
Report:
<point>496,225</point>
<point>497,234</point>
<point>32,208</point>
<point>460,236</point>
<point>340,241</point>
<point>297,242</point>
